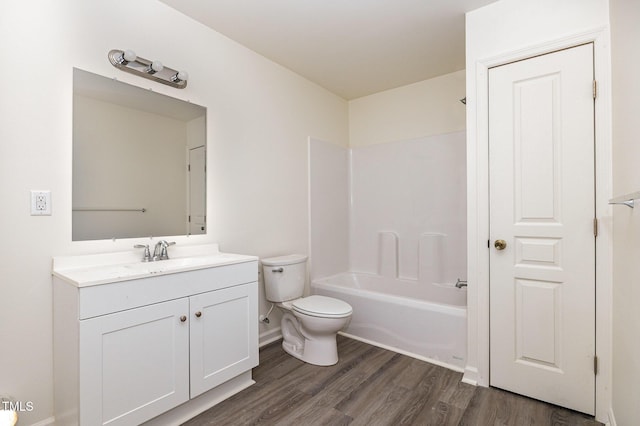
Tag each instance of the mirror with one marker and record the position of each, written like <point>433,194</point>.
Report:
<point>139,162</point>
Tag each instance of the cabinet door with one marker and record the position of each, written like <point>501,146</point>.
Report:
<point>134,364</point>
<point>224,335</point>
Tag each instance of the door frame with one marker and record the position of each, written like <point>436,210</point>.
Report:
<point>477,369</point>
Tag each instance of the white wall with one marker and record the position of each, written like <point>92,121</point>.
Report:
<point>259,118</point>
<point>625,34</point>
<point>510,30</point>
<point>430,107</point>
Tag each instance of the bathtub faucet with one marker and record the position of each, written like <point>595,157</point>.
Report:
<point>461,283</point>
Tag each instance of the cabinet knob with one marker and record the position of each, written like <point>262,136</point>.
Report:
<point>198,314</point>
<point>183,318</point>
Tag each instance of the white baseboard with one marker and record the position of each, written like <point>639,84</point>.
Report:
<point>470,376</point>
<point>269,336</point>
<point>203,402</point>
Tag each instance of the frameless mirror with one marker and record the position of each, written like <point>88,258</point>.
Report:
<point>139,162</point>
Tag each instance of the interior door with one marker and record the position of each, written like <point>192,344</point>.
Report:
<point>197,191</point>
<point>542,239</point>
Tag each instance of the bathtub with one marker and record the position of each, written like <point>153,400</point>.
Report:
<point>422,320</point>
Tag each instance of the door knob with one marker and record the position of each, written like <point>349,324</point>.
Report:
<point>500,244</point>
<point>198,314</point>
<point>183,318</point>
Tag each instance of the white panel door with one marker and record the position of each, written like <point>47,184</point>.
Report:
<point>134,364</point>
<point>224,335</point>
<point>542,284</point>
<point>197,191</point>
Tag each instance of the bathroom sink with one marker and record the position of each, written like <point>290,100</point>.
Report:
<point>182,264</point>
<point>110,267</point>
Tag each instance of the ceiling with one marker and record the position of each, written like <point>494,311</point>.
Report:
<point>352,48</point>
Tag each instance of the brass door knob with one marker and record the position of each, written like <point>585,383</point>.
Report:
<point>500,244</point>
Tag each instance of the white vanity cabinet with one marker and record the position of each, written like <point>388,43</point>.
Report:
<point>223,336</point>
<point>134,365</point>
<point>128,351</point>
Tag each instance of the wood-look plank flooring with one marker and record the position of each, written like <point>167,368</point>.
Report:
<point>374,386</point>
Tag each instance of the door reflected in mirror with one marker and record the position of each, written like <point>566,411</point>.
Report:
<point>139,162</point>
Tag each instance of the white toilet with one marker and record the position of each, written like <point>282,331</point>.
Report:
<point>309,324</point>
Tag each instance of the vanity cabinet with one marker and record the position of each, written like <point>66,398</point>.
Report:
<point>134,365</point>
<point>223,336</point>
<point>128,351</point>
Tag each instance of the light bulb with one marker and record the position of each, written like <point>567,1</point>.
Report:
<point>154,67</point>
<point>129,55</point>
<point>157,66</point>
<point>180,76</point>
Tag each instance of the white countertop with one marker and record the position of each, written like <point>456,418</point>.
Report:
<point>96,269</point>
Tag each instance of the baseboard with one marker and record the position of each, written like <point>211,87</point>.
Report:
<point>202,403</point>
<point>470,376</point>
<point>269,336</point>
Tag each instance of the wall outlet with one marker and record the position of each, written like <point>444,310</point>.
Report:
<point>40,203</point>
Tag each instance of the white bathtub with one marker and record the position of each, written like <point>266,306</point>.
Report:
<point>426,321</point>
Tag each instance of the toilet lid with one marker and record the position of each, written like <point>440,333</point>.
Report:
<point>322,306</point>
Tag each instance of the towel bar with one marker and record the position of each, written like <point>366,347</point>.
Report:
<point>80,209</point>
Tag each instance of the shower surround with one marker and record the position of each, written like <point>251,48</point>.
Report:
<point>395,211</point>
<point>411,191</point>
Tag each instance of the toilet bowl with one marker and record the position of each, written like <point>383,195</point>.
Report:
<point>309,324</point>
<point>309,327</point>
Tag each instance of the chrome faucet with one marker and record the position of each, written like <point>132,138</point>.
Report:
<point>160,252</point>
<point>146,257</point>
<point>461,283</point>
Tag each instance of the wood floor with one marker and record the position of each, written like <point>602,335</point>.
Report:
<point>373,386</point>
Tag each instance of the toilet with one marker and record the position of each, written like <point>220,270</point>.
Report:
<point>309,324</point>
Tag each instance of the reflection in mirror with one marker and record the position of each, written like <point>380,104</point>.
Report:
<point>138,162</point>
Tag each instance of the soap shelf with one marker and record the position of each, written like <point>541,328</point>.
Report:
<point>627,200</point>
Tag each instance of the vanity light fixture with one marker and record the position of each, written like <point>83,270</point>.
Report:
<point>128,61</point>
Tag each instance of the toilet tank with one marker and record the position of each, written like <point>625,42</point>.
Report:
<point>284,277</point>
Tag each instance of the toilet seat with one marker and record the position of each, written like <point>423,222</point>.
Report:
<point>322,307</point>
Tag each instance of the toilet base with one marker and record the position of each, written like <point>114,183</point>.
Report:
<point>319,350</point>
<point>322,355</point>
